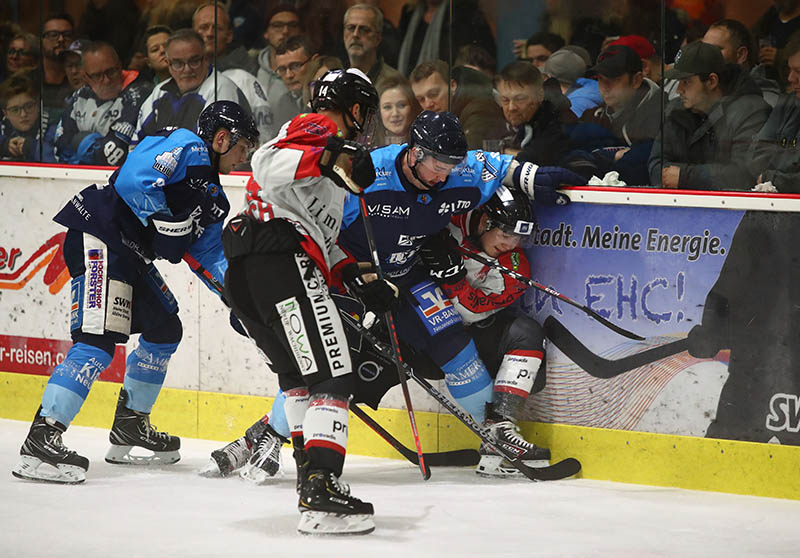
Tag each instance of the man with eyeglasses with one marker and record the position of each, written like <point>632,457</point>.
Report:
<point>282,22</point>
<point>363,25</point>
<point>179,100</point>
<point>291,61</point>
<point>99,121</point>
<point>57,34</point>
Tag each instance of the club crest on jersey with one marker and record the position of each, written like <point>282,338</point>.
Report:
<point>167,162</point>
<point>424,199</point>
<point>433,306</point>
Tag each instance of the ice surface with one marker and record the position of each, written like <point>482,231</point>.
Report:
<point>170,511</point>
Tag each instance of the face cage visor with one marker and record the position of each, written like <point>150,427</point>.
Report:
<point>365,133</point>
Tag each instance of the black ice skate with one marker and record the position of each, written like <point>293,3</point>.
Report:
<point>327,508</point>
<point>301,464</point>
<point>45,458</point>
<point>132,429</point>
<point>506,435</point>
<point>234,455</point>
<point>265,463</point>
<point>227,459</point>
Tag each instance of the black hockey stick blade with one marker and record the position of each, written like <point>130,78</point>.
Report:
<point>453,458</point>
<point>598,366</point>
<point>557,471</point>
<point>551,291</point>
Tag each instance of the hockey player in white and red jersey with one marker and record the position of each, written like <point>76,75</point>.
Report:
<point>280,249</point>
<point>510,343</point>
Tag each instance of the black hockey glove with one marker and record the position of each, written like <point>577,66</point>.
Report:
<point>703,342</point>
<point>361,172</point>
<point>377,295</point>
<point>441,256</point>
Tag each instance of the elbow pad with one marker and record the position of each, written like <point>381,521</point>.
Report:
<point>172,235</point>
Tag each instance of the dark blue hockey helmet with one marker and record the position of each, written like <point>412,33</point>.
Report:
<point>230,116</point>
<point>440,135</point>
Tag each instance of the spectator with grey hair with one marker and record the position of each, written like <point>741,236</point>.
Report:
<point>192,86</point>
<point>537,132</point>
<point>568,68</point>
<point>363,33</point>
<point>99,121</point>
<point>210,20</point>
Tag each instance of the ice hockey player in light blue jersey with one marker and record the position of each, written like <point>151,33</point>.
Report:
<point>164,202</point>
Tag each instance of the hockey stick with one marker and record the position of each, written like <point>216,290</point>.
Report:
<point>552,292</point>
<point>396,355</point>
<point>453,458</point>
<point>598,366</point>
<point>561,470</point>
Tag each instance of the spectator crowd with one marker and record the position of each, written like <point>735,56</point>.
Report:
<point>715,107</point>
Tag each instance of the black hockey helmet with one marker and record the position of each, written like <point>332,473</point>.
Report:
<point>230,116</point>
<point>510,211</point>
<point>440,135</point>
<point>341,89</point>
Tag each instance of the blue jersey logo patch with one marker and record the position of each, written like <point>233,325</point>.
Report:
<point>434,308</point>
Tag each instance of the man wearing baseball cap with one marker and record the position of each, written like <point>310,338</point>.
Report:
<point>568,68</point>
<point>621,130</point>
<point>707,131</point>
<point>651,61</point>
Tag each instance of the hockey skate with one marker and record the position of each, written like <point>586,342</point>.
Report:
<point>265,463</point>
<point>506,435</point>
<point>234,455</point>
<point>327,508</point>
<point>132,429</point>
<point>44,458</point>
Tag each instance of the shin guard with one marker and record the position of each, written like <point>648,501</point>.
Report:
<point>145,371</point>
<point>71,381</point>
<point>514,382</point>
<point>325,432</point>
<point>469,381</point>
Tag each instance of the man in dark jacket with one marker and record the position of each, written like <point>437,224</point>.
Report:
<point>535,123</point>
<point>775,152</point>
<point>707,133</point>
<point>621,130</point>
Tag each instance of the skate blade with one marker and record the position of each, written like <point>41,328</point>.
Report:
<point>334,524</point>
<point>34,469</point>
<point>257,475</point>
<point>121,455</point>
<point>496,466</point>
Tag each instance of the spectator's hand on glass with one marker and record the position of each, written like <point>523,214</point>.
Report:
<point>766,55</point>
<point>670,176</point>
<point>16,146</point>
<point>619,154</point>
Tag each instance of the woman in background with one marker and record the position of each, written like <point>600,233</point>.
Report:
<point>399,107</point>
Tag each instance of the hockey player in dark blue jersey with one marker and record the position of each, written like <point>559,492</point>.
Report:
<point>419,187</point>
<point>164,202</point>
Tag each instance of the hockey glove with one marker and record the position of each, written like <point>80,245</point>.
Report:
<point>348,164</point>
<point>703,343</point>
<point>541,183</point>
<point>441,256</point>
<point>362,282</point>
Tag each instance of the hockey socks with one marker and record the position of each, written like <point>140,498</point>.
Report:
<point>145,371</point>
<point>514,381</point>
<point>469,382</point>
<point>71,381</point>
<point>325,432</point>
